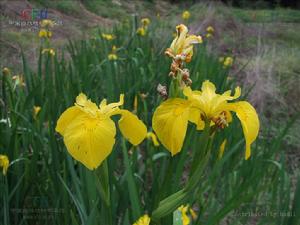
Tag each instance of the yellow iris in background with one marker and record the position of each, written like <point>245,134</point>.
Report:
<point>51,51</point>
<point>89,132</point>
<point>141,31</point>
<point>47,23</point>
<point>36,110</point>
<point>186,15</point>
<point>144,220</point>
<point>108,37</point>
<point>228,61</point>
<point>43,33</point>
<point>6,71</point>
<point>182,45</point>
<point>145,22</point>
<point>210,29</point>
<point>171,118</point>
<point>113,56</point>
<point>4,163</point>
<point>185,218</point>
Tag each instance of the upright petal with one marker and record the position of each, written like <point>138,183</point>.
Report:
<point>208,90</point>
<point>170,121</point>
<point>88,140</point>
<point>192,39</point>
<point>249,120</point>
<point>86,105</point>
<point>178,42</point>
<point>131,127</point>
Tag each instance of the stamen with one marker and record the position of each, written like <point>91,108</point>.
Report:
<point>221,120</point>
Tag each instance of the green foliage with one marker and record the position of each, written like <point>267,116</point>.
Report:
<point>137,179</point>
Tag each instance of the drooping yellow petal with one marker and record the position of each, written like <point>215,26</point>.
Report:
<point>249,120</point>
<point>66,118</point>
<point>88,140</point>
<point>170,121</point>
<point>131,127</point>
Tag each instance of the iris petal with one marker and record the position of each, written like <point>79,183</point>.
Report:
<point>170,121</point>
<point>66,118</point>
<point>89,140</point>
<point>249,120</point>
<point>131,127</point>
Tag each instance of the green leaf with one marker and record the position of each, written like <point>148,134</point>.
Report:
<point>177,218</point>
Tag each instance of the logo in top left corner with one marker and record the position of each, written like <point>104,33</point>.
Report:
<point>34,14</point>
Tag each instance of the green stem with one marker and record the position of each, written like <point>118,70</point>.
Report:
<point>201,158</point>
<point>5,201</point>
<point>133,193</point>
<point>199,154</point>
<point>102,184</point>
<point>169,204</point>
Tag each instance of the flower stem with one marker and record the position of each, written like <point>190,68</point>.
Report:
<point>102,184</point>
<point>133,193</point>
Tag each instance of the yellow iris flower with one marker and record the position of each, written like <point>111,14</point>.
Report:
<point>141,31</point>
<point>144,220</point>
<point>210,29</point>
<point>89,132</point>
<point>182,45</point>
<point>113,56</point>
<point>145,22</point>
<point>108,37</point>
<point>171,118</point>
<point>47,23</point>
<point>36,110</point>
<point>4,163</point>
<point>43,33</point>
<point>6,71</point>
<point>228,61</point>
<point>51,51</point>
<point>185,218</point>
<point>186,15</point>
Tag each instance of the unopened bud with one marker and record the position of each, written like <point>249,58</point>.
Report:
<point>174,66</point>
<point>185,74</point>
<point>162,90</point>
<point>5,71</point>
